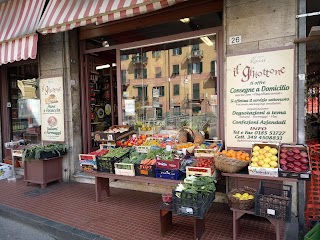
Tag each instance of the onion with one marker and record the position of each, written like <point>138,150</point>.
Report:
<point>297,169</point>
<point>284,167</point>
<point>304,167</point>
<point>290,153</point>
<point>304,154</point>
<point>297,163</point>
<point>304,160</point>
<point>283,161</point>
<point>290,165</point>
<point>284,150</point>
<point>283,155</point>
<point>297,156</point>
<point>290,159</point>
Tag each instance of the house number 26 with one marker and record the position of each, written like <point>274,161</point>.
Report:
<point>234,40</point>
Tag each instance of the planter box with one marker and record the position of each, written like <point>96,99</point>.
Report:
<point>43,171</point>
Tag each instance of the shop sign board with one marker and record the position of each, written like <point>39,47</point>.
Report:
<point>52,109</point>
<point>260,98</point>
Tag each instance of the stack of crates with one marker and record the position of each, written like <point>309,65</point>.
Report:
<point>168,169</point>
<point>312,212</point>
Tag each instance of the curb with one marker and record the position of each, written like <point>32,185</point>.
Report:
<point>56,229</point>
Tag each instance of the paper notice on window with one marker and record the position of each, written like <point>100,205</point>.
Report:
<point>129,107</point>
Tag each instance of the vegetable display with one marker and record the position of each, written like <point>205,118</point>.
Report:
<point>294,160</point>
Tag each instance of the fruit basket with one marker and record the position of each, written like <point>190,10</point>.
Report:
<point>242,198</point>
<point>229,165</point>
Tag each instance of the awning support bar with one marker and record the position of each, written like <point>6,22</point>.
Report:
<point>308,14</point>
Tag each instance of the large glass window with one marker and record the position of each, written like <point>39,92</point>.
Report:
<point>25,103</point>
<point>184,88</point>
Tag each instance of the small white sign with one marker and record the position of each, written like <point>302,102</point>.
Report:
<point>234,40</point>
<point>271,211</point>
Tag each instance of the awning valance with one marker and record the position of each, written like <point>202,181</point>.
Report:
<point>18,23</point>
<point>64,15</point>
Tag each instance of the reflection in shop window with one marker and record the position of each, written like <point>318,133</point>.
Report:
<point>140,73</point>
<point>176,89</point>
<point>176,110</point>
<point>195,47</point>
<point>161,90</point>
<point>124,57</point>
<point>195,68</point>
<point>175,69</point>
<point>124,76</point>
<point>156,54</point>
<point>158,72</point>
<point>213,68</point>
<point>196,91</point>
<point>159,113</point>
<point>177,51</point>
<point>196,110</point>
<point>142,92</point>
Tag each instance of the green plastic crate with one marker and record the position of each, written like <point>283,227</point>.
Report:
<point>314,233</point>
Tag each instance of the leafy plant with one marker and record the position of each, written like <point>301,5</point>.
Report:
<point>36,151</point>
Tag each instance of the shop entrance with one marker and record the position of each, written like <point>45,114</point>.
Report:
<point>100,90</point>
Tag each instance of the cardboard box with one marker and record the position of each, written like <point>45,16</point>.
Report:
<point>261,171</point>
<point>305,175</point>
<point>5,171</point>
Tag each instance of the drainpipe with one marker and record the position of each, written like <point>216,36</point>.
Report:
<point>301,70</point>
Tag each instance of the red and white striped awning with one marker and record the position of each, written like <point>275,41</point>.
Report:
<point>18,23</point>
<point>64,15</point>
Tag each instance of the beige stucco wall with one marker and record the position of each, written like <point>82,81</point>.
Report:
<point>262,25</point>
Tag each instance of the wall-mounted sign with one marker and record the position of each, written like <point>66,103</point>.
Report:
<point>235,40</point>
<point>52,110</point>
<point>260,98</point>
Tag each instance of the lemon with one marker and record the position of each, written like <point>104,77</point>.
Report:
<point>274,151</point>
<point>254,159</point>
<point>274,158</point>
<point>267,160</point>
<point>255,153</point>
<point>254,164</point>
<point>256,148</point>
<point>262,151</point>
<point>268,154</point>
<point>266,165</point>
<point>250,197</point>
<point>238,195</point>
<point>244,198</point>
<point>273,164</point>
<point>267,148</point>
<point>245,195</point>
<point>261,157</point>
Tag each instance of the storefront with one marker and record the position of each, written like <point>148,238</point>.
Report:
<point>19,73</point>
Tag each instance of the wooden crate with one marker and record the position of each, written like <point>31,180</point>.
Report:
<point>88,159</point>
<point>199,171</point>
<point>208,152</point>
<point>118,167</point>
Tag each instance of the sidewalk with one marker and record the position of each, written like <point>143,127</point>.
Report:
<point>127,214</point>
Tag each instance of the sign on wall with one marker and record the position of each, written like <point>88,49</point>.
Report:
<point>52,111</point>
<point>260,98</point>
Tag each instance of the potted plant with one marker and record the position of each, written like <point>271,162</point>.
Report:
<point>44,163</point>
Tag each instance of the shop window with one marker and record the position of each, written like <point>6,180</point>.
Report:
<point>156,54</point>
<point>176,110</point>
<point>161,90</point>
<point>140,73</point>
<point>175,69</point>
<point>176,51</point>
<point>158,72</point>
<point>196,90</point>
<point>124,57</point>
<point>124,76</point>
<point>25,103</point>
<point>176,89</point>
<point>213,68</point>
<point>194,68</point>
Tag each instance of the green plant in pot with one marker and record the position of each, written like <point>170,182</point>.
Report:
<point>46,151</point>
